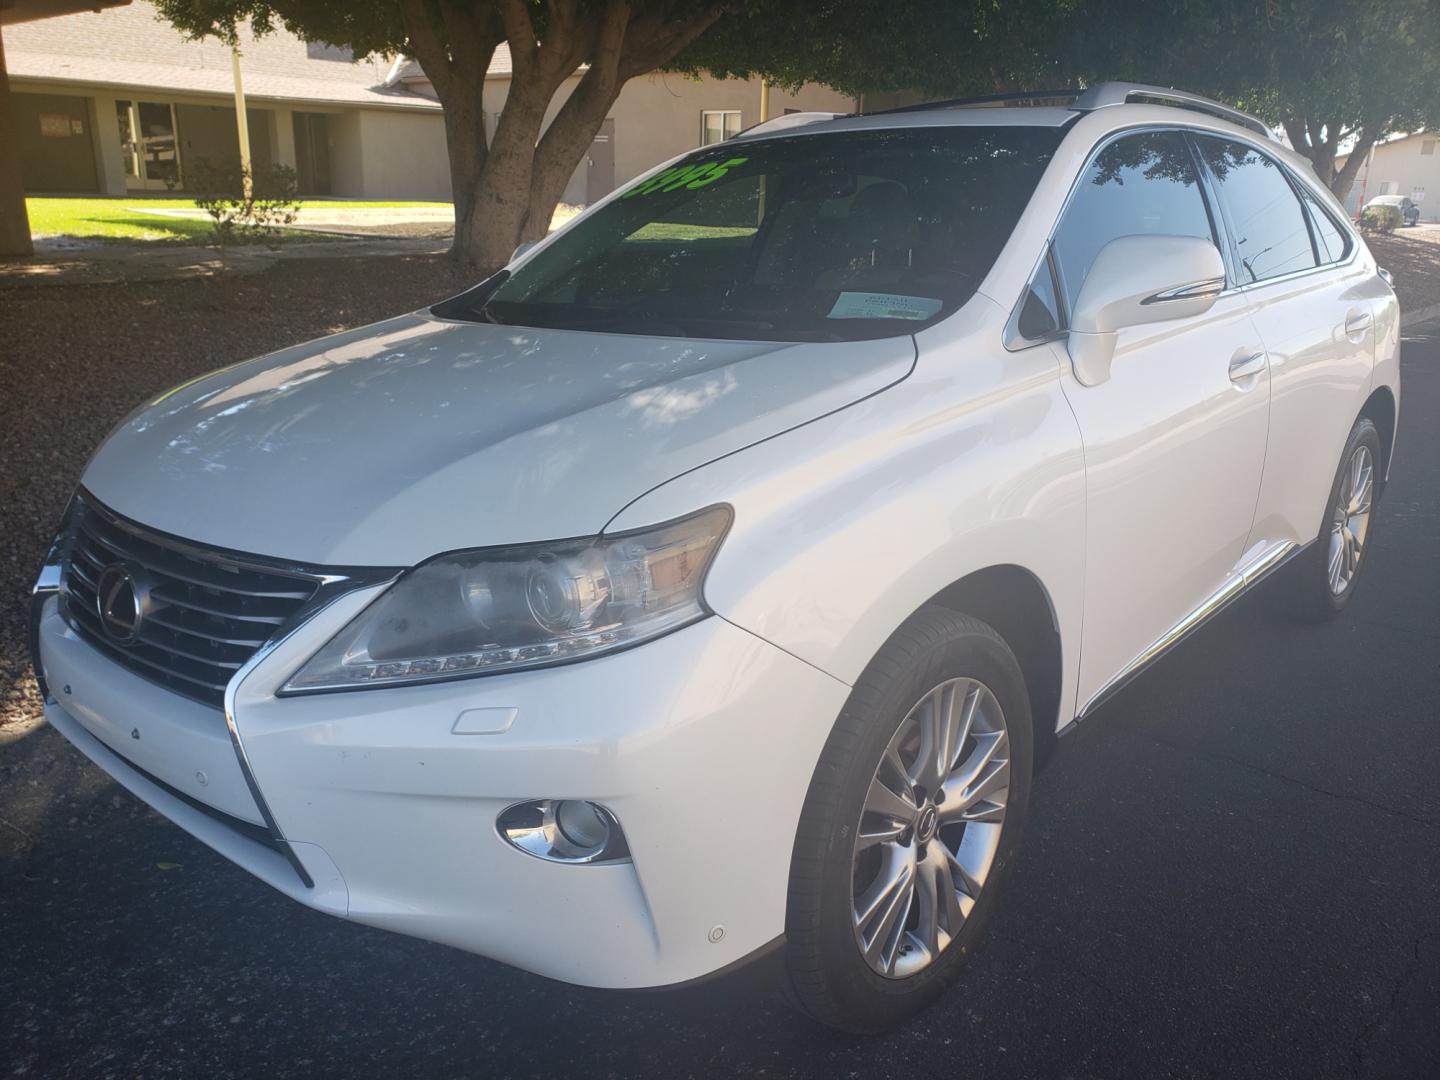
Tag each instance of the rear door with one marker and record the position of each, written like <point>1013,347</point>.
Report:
<point>1175,438</point>
<point>1311,300</point>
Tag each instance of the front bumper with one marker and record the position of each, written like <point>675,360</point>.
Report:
<point>702,744</point>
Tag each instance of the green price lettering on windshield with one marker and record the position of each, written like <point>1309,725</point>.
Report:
<point>689,177</point>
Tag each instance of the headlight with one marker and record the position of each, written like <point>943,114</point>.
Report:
<point>503,609</point>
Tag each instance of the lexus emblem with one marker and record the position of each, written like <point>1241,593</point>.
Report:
<point>119,601</point>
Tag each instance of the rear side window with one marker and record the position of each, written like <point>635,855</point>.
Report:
<point>1271,237</point>
<point>1332,242</point>
<point>1138,184</point>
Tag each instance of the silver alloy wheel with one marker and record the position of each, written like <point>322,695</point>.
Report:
<point>930,827</point>
<point>1350,519</point>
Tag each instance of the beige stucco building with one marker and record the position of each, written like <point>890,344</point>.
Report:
<point>119,101</point>
<point>1403,165</point>
<point>655,117</point>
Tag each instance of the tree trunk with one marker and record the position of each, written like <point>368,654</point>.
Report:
<point>507,190</point>
<point>624,46</point>
<point>1344,180</point>
<point>14,222</point>
<point>1321,143</point>
<point>501,204</point>
<point>567,140</point>
<point>465,145</point>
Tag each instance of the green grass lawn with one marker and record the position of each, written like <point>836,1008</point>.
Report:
<point>124,218</point>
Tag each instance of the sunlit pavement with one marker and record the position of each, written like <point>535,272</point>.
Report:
<point>1233,870</point>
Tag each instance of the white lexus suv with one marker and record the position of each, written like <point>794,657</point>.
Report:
<point>707,581</point>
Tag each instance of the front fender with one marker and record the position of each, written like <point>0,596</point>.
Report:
<point>847,525</point>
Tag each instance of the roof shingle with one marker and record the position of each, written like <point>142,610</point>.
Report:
<point>133,47</point>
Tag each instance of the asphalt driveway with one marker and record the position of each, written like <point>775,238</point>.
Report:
<point>1233,870</point>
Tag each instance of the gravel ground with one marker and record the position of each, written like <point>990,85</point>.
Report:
<point>1413,256</point>
<point>77,359</point>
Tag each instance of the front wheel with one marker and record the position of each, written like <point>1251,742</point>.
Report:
<point>910,825</point>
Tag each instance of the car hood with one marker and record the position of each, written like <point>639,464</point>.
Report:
<point>391,443</point>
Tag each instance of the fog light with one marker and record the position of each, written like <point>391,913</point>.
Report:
<point>582,824</point>
<point>564,830</point>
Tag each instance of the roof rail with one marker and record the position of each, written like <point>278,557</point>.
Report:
<point>786,121</point>
<point>1106,94</point>
<point>988,99</point>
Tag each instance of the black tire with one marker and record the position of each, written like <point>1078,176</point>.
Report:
<point>1305,592</point>
<point>828,977</point>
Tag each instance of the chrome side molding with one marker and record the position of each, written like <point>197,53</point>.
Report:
<point>1240,581</point>
<point>1195,290</point>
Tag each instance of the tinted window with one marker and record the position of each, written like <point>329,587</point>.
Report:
<point>1271,237</point>
<point>814,237</point>
<point>1039,312</point>
<point>1332,241</point>
<point>1138,184</point>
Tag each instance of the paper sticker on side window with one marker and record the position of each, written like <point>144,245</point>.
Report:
<point>872,305</point>
<point>689,177</point>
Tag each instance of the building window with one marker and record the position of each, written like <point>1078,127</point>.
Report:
<point>717,125</point>
<point>1427,147</point>
<point>1389,187</point>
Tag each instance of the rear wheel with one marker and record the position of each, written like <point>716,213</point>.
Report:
<point>910,825</point>
<point>1325,579</point>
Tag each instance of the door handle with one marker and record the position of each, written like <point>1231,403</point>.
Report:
<point>1357,322</point>
<point>1245,364</point>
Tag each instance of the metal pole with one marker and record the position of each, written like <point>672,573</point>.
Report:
<point>764,101</point>
<point>242,123</point>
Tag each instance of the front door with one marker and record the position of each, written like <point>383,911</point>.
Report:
<point>149,146</point>
<point>600,173</point>
<point>1174,446</point>
<point>312,153</point>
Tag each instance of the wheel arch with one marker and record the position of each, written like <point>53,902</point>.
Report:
<point>1379,409</point>
<point>1016,603</point>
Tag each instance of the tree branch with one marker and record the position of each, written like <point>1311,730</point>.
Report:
<point>1341,182</point>
<point>425,45</point>
<point>1295,131</point>
<point>666,40</point>
<point>474,34</point>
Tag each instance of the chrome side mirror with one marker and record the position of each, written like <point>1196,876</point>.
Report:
<point>1137,280</point>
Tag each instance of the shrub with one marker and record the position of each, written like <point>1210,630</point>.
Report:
<point>1381,218</point>
<point>219,190</point>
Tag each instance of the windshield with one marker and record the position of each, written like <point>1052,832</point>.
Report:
<point>807,238</point>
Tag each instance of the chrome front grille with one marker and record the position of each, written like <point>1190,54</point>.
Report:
<point>202,613</point>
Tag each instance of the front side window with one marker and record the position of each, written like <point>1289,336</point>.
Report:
<point>717,125</point>
<point>1271,237</point>
<point>1139,184</point>
<point>832,237</point>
